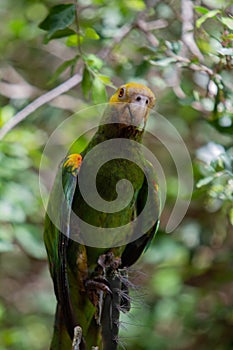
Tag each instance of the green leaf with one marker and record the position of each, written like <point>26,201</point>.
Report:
<point>105,79</point>
<point>74,40</point>
<point>86,82</point>
<point>204,181</point>
<point>136,5</point>
<point>59,18</point>
<point>59,34</point>
<point>62,68</point>
<point>94,62</point>
<point>227,21</point>
<point>201,9</point>
<point>208,15</point>
<point>91,34</point>
<point>6,246</point>
<point>231,216</point>
<point>98,92</point>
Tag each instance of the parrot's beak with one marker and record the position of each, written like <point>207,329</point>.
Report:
<point>139,110</point>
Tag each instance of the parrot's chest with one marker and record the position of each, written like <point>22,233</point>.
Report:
<point>116,188</point>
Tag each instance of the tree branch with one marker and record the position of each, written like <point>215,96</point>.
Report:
<point>40,101</point>
<point>188,28</point>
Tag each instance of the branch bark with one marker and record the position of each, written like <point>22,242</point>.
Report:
<point>40,101</point>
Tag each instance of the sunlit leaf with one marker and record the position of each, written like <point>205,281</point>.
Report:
<point>208,15</point>
<point>74,40</point>
<point>231,216</point>
<point>226,51</point>
<point>204,181</point>
<point>136,5</point>
<point>227,21</point>
<point>201,9</point>
<point>91,34</point>
<point>94,62</point>
<point>105,79</point>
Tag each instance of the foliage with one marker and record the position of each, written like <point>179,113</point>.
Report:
<point>188,301</point>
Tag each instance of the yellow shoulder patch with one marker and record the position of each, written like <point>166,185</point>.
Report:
<point>73,163</point>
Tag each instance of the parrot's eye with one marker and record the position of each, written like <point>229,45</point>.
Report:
<point>121,92</point>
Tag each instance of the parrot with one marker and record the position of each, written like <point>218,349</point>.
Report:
<point>90,282</point>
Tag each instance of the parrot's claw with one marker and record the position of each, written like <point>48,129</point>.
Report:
<point>95,290</point>
<point>97,284</point>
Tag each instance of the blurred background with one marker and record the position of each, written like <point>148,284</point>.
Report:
<point>182,288</point>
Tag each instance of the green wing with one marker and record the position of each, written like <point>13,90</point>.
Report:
<point>148,192</point>
<point>56,241</point>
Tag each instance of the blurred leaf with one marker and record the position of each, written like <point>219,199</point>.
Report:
<point>59,18</point>
<point>6,238</point>
<point>136,5</point>
<point>30,238</point>
<point>59,34</point>
<point>226,51</point>
<point>105,79</point>
<point>167,282</point>
<point>231,216</point>
<point>163,62</point>
<point>10,212</point>
<point>62,68</point>
<point>6,246</point>
<point>94,62</point>
<point>201,9</point>
<point>98,92</point>
<point>74,40</point>
<point>86,82</point>
<point>204,181</point>
<point>90,33</point>
<point>174,46</point>
<point>18,26</point>
<point>227,21</point>
<point>208,15</point>
<point>6,113</point>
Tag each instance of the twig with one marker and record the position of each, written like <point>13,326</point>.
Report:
<point>188,28</point>
<point>123,32</point>
<point>147,27</point>
<point>193,66</point>
<point>40,101</point>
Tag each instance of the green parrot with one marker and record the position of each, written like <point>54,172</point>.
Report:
<point>90,248</point>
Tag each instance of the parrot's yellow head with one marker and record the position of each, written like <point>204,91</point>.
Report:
<point>133,101</point>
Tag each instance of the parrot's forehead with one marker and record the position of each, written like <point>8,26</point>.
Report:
<point>136,88</point>
<point>132,89</point>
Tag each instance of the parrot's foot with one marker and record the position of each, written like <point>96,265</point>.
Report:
<point>96,288</point>
<point>97,284</point>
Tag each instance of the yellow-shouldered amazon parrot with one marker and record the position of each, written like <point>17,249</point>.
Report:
<point>90,282</point>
